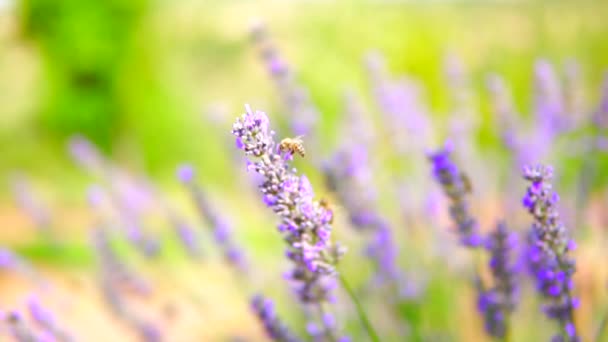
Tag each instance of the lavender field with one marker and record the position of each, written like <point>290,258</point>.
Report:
<point>303,171</point>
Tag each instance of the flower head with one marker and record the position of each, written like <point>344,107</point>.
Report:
<point>305,222</point>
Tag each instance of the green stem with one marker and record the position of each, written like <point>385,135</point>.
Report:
<point>360,311</point>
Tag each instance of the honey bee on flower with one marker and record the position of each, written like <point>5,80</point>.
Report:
<point>293,145</point>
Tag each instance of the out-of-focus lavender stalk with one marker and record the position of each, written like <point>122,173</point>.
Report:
<point>549,246</point>
<point>187,235</point>
<point>276,330</point>
<point>303,114</point>
<point>347,174</point>
<point>456,186</point>
<point>507,118</point>
<point>407,121</point>
<point>32,205</point>
<point>574,99</point>
<point>218,225</point>
<point>113,275</point>
<point>114,269</point>
<point>463,117</point>
<point>10,261</point>
<point>45,319</point>
<point>19,329</point>
<point>129,195</point>
<point>399,101</point>
<point>305,222</point>
<point>498,302</point>
<point>549,106</point>
<point>147,331</point>
<point>110,265</point>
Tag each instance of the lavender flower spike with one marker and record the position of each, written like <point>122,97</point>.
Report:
<point>499,302</point>
<point>456,186</point>
<point>221,229</point>
<point>549,258</point>
<point>274,327</point>
<point>18,328</point>
<point>45,319</point>
<point>305,223</point>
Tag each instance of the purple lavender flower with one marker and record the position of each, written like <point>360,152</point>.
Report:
<point>348,174</point>
<point>497,303</point>
<point>506,114</point>
<point>86,154</point>
<point>549,246</point>
<point>456,186</point>
<point>549,101</point>
<point>8,260</point>
<point>399,101</point>
<point>45,319</point>
<point>113,269</point>
<point>187,236</point>
<point>359,125</point>
<point>32,205</point>
<point>274,327</point>
<point>219,226</point>
<point>305,223</point>
<point>19,329</point>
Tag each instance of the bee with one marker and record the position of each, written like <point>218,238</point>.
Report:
<point>293,145</point>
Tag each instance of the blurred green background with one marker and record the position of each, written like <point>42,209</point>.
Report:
<point>137,77</point>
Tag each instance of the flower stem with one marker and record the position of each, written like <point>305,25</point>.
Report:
<point>360,311</point>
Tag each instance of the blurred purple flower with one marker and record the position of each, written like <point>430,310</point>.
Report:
<point>113,269</point>
<point>303,115</point>
<point>19,329</point>
<point>274,327</point>
<point>45,319</point>
<point>31,204</point>
<point>549,244</point>
<point>187,236</point>
<point>219,226</point>
<point>86,154</point>
<point>456,187</point>
<point>498,302</point>
<point>399,100</point>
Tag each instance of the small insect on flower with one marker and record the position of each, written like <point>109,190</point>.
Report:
<point>293,145</point>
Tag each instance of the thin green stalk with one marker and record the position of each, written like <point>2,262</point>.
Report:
<point>360,311</point>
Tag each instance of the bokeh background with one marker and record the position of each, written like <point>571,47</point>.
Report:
<point>154,84</point>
